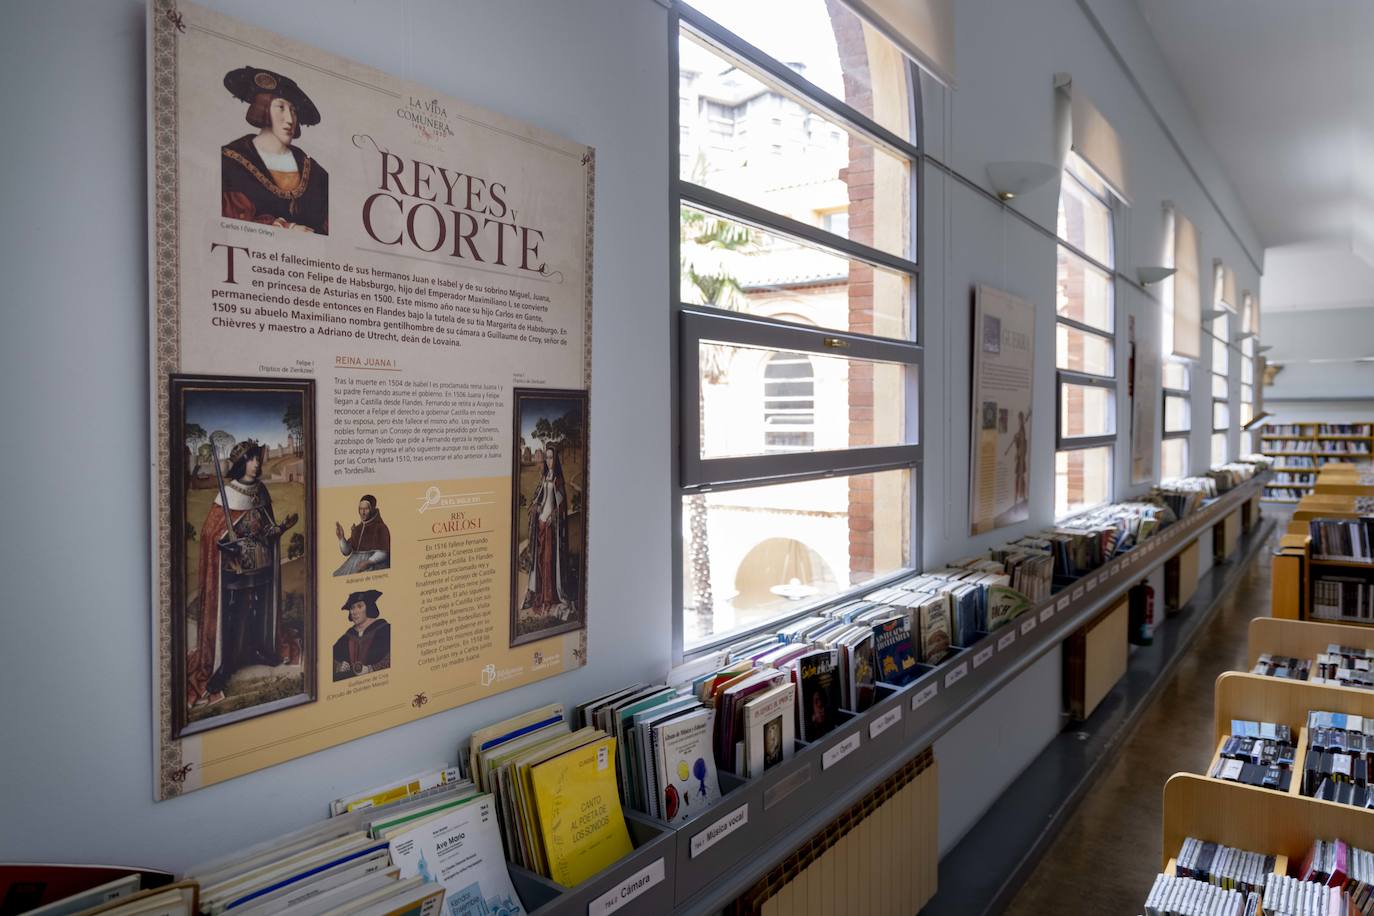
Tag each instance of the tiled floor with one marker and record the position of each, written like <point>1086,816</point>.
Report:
<point>1108,854</point>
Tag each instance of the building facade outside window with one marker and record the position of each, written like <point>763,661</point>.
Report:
<point>798,355</point>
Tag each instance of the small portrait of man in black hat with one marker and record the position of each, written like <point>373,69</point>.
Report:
<point>366,646</point>
<point>264,177</point>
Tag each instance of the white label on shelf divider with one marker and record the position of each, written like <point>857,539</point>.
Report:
<point>632,887</point>
<point>839,752</point>
<point>1027,625</point>
<point>957,674</point>
<point>983,656</point>
<point>1006,640</point>
<point>1092,583</point>
<point>884,722</point>
<point>723,828</point>
<point>1078,593</point>
<point>1046,614</point>
<point>1063,603</point>
<point>925,696</point>
<point>1116,568</point>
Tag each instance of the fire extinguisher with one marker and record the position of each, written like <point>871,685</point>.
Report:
<point>1142,609</point>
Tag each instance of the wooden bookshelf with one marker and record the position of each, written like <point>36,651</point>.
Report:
<point>1259,820</point>
<point>1303,638</point>
<point>1309,431</point>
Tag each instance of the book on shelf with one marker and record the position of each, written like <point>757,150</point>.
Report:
<point>581,828</point>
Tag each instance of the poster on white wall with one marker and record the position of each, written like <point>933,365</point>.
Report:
<point>371,369</point>
<point>1144,395</point>
<point>1003,369</point>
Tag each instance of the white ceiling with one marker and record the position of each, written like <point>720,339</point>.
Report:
<point>1284,93</point>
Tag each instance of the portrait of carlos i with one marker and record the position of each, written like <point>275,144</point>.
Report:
<point>265,177</point>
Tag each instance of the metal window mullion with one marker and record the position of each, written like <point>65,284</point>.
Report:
<point>1077,325</point>
<point>1082,255</point>
<point>710,474</point>
<point>785,326</point>
<point>1079,443</point>
<point>734,329</point>
<point>762,218</point>
<point>1072,377</point>
<point>1177,392</point>
<point>1178,434</point>
<point>801,89</point>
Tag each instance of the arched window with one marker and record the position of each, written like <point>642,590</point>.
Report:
<point>789,403</point>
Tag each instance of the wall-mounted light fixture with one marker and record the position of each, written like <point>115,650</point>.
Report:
<point>1210,314</point>
<point>1011,179</point>
<point>1255,420</point>
<point>1148,275</point>
<point>1264,349</point>
<point>1245,336</point>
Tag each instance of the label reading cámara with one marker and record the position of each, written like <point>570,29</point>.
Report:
<point>634,886</point>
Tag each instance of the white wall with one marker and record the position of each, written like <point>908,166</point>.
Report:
<point>1003,110</point>
<point>77,752</point>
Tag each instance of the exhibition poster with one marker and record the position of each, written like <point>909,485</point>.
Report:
<point>1143,371</point>
<point>1003,359</point>
<point>371,367</point>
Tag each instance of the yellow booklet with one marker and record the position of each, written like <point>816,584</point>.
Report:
<point>578,806</point>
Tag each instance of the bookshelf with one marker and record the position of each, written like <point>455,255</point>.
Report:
<point>1302,448</point>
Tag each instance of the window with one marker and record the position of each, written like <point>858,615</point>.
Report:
<point>798,357</point>
<point>1220,330</point>
<point>1085,342</point>
<point>1178,419</point>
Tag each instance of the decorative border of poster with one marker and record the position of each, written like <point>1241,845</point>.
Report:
<point>350,295</point>
<point>1003,374</point>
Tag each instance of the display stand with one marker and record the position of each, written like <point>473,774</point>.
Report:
<point>1254,697</point>
<point>1303,638</point>
<point>1258,820</point>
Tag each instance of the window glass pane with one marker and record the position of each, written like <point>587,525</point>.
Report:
<point>1178,414</point>
<point>1219,455</point>
<point>1174,458</point>
<point>1247,411</point>
<point>1221,415</point>
<point>1220,388</point>
<point>1080,351</point>
<point>1221,357</point>
<point>1082,478</point>
<point>730,265</point>
<point>1176,376</point>
<point>757,401</point>
<point>1083,293</point>
<point>1078,168</point>
<point>1085,222</point>
<point>1247,371</point>
<point>1247,393</point>
<point>762,553</point>
<point>829,46</point>
<point>1086,410</point>
<point>747,140</point>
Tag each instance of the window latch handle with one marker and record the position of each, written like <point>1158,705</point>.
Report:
<point>836,343</point>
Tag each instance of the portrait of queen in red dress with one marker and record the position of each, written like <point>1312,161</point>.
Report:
<point>550,514</point>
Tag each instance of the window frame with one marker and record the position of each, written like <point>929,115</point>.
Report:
<point>690,325</point>
<point>1064,377</point>
<point>1187,396</point>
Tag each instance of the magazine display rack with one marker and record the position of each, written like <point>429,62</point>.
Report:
<point>705,864</point>
<point>1303,638</point>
